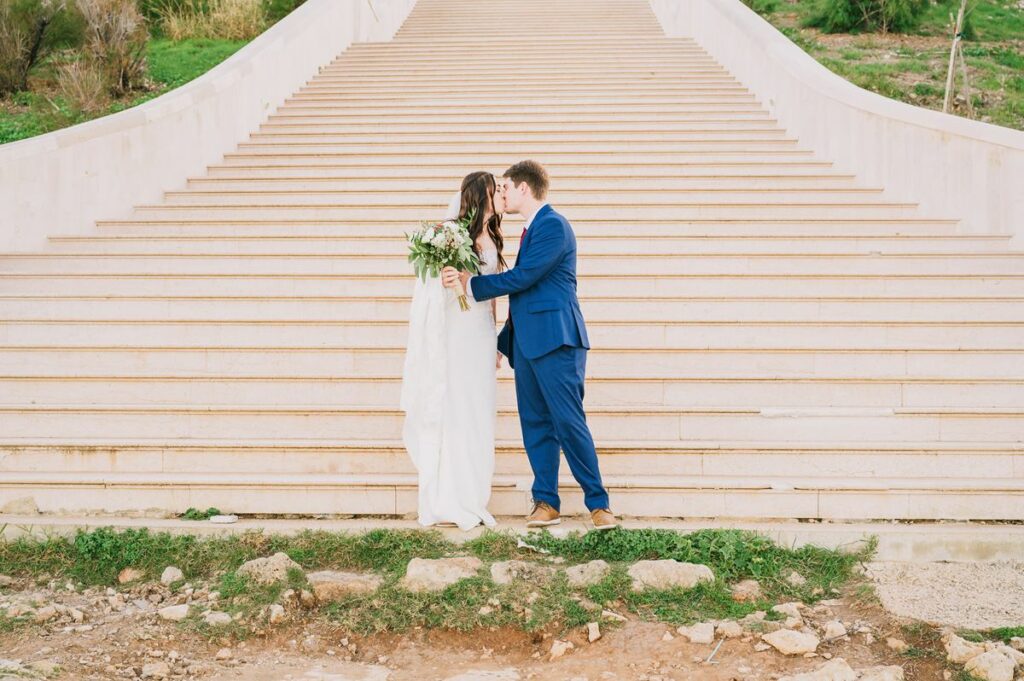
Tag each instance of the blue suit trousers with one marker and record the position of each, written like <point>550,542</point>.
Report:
<point>549,392</point>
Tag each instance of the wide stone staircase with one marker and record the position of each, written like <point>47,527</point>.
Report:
<point>771,338</point>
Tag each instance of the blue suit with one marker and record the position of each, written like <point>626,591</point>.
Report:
<point>545,340</point>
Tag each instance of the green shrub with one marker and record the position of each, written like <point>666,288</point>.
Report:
<point>763,7</point>
<point>844,16</point>
<point>279,9</point>
<point>116,37</point>
<point>31,30</point>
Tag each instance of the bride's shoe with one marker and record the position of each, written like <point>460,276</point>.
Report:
<point>543,515</point>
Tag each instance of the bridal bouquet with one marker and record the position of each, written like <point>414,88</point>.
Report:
<point>436,245</point>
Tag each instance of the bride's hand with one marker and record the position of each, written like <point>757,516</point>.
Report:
<point>449,275</point>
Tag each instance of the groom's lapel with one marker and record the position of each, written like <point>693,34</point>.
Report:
<point>529,231</point>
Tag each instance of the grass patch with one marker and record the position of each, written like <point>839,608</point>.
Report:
<point>96,557</point>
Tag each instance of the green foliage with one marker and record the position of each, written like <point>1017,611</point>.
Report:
<point>763,7</point>
<point>30,32</point>
<point>847,16</point>
<point>196,514</point>
<point>278,9</point>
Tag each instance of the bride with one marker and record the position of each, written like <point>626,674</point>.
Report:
<point>449,382</point>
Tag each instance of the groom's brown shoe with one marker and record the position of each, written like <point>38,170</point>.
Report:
<point>543,515</point>
<point>603,519</point>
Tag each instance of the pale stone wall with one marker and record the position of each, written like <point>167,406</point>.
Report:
<point>61,182</point>
<point>952,166</point>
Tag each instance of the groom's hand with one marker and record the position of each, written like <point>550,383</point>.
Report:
<point>497,364</point>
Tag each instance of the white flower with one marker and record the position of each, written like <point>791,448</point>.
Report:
<point>429,235</point>
<point>440,240</point>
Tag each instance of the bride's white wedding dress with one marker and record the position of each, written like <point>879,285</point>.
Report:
<point>448,396</point>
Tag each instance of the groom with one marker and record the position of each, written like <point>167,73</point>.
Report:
<point>546,343</point>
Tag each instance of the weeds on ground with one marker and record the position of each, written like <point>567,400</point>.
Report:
<point>95,558</point>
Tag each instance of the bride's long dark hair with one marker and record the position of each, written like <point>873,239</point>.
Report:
<point>478,194</point>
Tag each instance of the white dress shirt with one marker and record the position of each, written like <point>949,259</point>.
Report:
<point>529,221</point>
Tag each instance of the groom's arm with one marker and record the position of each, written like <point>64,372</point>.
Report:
<point>546,250</point>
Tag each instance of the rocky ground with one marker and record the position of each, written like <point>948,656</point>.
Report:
<point>147,630</point>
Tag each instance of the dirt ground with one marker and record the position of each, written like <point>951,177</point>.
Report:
<point>118,645</point>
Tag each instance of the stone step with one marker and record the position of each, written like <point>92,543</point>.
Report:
<point>880,390</point>
<point>688,168</point>
<point>748,144</point>
<point>427,200</point>
<point>60,283</point>
<point>483,129</point>
<point>894,229</point>
<point>599,109</point>
<point>313,355</point>
<point>680,209</point>
<point>455,140</point>
<point>450,80</point>
<point>635,242</point>
<point>648,423</point>
<point>1006,263</point>
<point>391,186</point>
<point>854,460</point>
<point>726,90</point>
<point>693,334</point>
<point>693,497</point>
<point>463,120</point>
<point>617,309</point>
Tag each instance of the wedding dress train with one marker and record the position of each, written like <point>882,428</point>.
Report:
<point>448,396</point>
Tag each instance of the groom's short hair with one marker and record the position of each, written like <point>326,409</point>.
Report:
<point>533,174</point>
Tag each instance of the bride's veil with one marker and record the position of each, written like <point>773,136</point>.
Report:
<point>453,207</point>
<point>424,376</point>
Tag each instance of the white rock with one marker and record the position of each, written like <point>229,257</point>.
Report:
<point>330,586</point>
<point>474,675</point>
<point>612,615</point>
<point>129,575</point>
<point>703,632</point>
<point>666,574</point>
<point>833,670</point>
<point>789,642</point>
<point>509,571</point>
<point>587,574</point>
<point>276,615</point>
<point>1017,642</point>
<point>1015,655</point>
<point>960,651</point>
<point>593,631</point>
<point>668,636</point>
<point>170,575</point>
<point>156,670</point>
<point>795,578</point>
<point>991,666</point>
<point>762,647</point>
<point>897,644</point>
<point>173,613</point>
<point>834,630</point>
<point>267,571</point>
<point>729,629</point>
<point>747,591</point>
<point>560,648</point>
<point>788,609</point>
<point>891,673</point>
<point>224,654</point>
<point>45,614</point>
<point>217,618</point>
<point>434,575</point>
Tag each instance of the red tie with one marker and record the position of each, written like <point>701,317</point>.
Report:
<point>521,238</point>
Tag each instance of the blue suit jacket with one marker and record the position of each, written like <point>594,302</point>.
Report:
<point>541,290</point>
